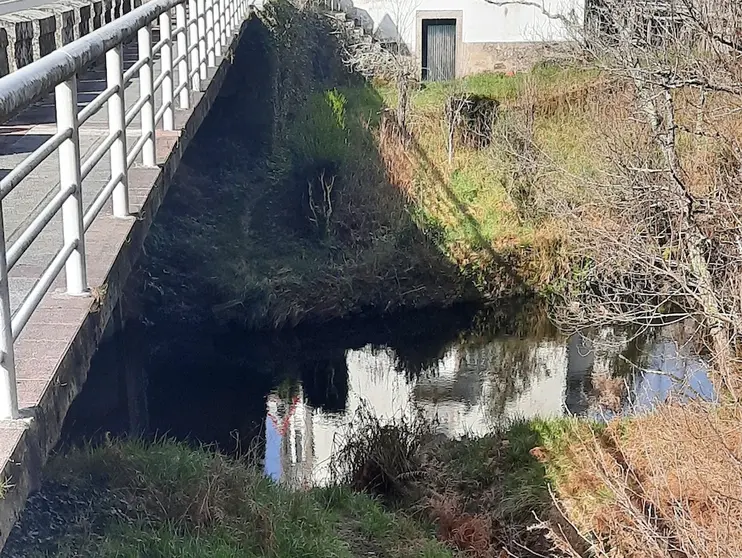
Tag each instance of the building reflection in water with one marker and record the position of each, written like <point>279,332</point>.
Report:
<point>474,389</point>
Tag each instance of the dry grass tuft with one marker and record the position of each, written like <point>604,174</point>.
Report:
<point>381,458</point>
<point>668,484</point>
<point>471,533</point>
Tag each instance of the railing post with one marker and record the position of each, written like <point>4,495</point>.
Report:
<point>166,68</point>
<point>194,40</point>
<point>183,70</point>
<point>8,387</point>
<point>146,87</point>
<point>230,20</point>
<point>217,6</point>
<point>117,125</point>
<point>65,100</point>
<point>223,43</point>
<point>202,48</point>
<point>210,46</point>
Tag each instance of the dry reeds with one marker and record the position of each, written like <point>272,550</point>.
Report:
<point>665,485</point>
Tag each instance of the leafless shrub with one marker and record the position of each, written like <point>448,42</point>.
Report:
<point>662,494</point>
<point>319,193</point>
<point>660,237</point>
<point>372,59</point>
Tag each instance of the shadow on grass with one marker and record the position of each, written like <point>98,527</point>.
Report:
<point>235,240</point>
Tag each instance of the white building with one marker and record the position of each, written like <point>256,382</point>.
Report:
<point>452,38</point>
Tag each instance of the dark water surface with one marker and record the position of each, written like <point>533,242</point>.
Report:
<point>294,392</point>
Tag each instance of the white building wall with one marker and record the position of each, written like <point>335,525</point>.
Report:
<point>482,22</point>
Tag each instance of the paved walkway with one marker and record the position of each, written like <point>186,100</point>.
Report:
<point>54,350</point>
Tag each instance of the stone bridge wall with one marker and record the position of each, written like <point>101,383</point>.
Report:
<point>27,35</point>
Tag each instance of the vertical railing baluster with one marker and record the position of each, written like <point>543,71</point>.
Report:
<point>8,387</point>
<point>65,100</point>
<point>229,19</point>
<point>166,68</point>
<point>223,44</point>
<point>182,40</point>
<point>146,91</point>
<point>117,125</point>
<point>211,55</point>
<point>216,6</point>
<point>193,40</point>
<point>202,48</point>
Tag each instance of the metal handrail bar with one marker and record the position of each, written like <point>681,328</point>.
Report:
<point>181,87</point>
<point>130,74</point>
<point>96,104</point>
<point>136,150</point>
<point>159,44</point>
<point>23,242</point>
<point>133,112</point>
<point>27,166</point>
<point>23,86</point>
<point>95,157</point>
<point>161,112</point>
<point>100,200</point>
<point>160,79</point>
<point>33,298</point>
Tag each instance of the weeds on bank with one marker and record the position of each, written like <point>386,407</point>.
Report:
<point>485,496</point>
<point>470,205</point>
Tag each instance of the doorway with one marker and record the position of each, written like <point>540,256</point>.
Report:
<point>438,49</point>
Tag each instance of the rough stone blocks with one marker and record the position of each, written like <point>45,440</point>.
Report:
<point>19,32</point>
<point>28,35</point>
<point>66,18</point>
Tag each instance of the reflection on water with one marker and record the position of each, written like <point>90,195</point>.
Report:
<point>297,391</point>
<point>473,389</point>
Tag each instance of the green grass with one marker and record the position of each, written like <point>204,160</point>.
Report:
<point>545,78</point>
<point>167,500</point>
<point>478,208</point>
<point>502,461</point>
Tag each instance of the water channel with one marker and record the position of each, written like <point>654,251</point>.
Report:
<point>290,394</point>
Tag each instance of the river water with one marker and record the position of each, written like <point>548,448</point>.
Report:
<point>291,395</point>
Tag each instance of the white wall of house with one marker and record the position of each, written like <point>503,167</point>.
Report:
<point>482,22</point>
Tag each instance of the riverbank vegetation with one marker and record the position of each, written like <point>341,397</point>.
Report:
<point>167,500</point>
<point>611,185</point>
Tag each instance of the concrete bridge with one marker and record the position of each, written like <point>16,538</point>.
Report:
<point>92,134</point>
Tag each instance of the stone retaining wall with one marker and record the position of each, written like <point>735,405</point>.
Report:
<point>27,35</point>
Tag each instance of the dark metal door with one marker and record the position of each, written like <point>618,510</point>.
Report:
<point>441,50</point>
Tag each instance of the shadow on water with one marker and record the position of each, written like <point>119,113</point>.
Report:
<point>293,391</point>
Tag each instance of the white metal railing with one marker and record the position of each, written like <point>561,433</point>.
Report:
<point>202,31</point>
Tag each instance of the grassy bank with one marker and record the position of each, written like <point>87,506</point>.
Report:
<point>283,211</point>
<point>565,487</point>
<point>480,202</point>
<point>163,500</point>
<point>297,202</point>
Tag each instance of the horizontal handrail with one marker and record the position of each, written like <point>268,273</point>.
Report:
<point>20,88</point>
<point>100,200</point>
<point>95,157</point>
<point>136,150</point>
<point>130,74</point>
<point>19,247</point>
<point>134,111</point>
<point>96,104</point>
<point>32,300</point>
<point>28,164</point>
